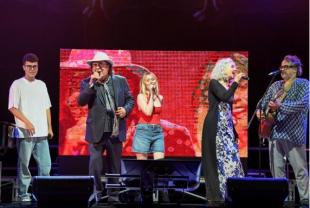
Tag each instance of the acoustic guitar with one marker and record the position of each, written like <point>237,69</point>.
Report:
<point>267,124</point>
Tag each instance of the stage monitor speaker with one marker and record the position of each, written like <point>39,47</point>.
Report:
<point>257,192</point>
<point>63,191</point>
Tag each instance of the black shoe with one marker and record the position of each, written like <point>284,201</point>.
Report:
<point>99,196</point>
<point>92,203</point>
<point>111,203</point>
<point>113,199</point>
<point>137,196</point>
<point>94,200</point>
<point>211,203</point>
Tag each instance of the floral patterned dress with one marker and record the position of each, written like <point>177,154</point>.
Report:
<point>227,152</point>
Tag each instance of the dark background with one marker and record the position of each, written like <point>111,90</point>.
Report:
<point>268,29</point>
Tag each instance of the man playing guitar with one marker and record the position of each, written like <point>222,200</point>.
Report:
<point>288,136</point>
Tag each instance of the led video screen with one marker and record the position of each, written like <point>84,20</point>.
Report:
<point>183,78</point>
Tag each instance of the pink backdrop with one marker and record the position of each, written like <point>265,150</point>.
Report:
<point>183,78</point>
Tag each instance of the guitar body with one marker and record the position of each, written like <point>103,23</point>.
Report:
<point>266,126</point>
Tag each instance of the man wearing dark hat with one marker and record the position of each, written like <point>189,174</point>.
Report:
<point>109,103</point>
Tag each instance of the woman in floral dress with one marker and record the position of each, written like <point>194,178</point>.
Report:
<point>220,154</point>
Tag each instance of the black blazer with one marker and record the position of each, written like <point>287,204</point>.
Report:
<point>97,110</point>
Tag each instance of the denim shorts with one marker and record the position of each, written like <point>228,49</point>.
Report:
<point>148,139</point>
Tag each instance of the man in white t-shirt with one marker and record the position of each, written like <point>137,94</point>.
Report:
<point>30,104</point>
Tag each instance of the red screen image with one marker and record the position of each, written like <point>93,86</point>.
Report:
<point>183,78</point>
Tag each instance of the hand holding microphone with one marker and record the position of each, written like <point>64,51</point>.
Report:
<point>151,88</point>
<point>240,76</point>
<point>245,77</point>
<point>94,78</point>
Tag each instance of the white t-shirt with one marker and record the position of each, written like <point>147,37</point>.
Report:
<point>32,100</point>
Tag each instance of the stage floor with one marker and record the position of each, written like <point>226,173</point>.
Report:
<point>177,200</point>
<point>170,205</point>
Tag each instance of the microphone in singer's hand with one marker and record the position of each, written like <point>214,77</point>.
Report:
<point>245,77</point>
<point>95,80</point>
<point>274,73</point>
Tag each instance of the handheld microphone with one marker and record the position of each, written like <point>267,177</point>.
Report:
<point>94,81</point>
<point>245,77</point>
<point>153,88</point>
<point>274,73</point>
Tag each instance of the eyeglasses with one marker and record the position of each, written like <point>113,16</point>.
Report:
<point>35,67</point>
<point>285,67</point>
<point>100,65</point>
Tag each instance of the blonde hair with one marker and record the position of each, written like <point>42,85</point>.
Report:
<point>143,88</point>
<point>218,71</point>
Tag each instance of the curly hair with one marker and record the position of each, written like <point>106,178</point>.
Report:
<point>218,71</point>
<point>296,63</point>
<point>143,89</point>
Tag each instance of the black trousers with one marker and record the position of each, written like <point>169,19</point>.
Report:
<point>113,148</point>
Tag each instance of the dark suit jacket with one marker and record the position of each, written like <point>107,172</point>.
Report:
<point>97,110</point>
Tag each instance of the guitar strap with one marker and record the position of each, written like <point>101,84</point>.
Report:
<point>267,125</point>
<point>286,89</point>
<point>280,95</point>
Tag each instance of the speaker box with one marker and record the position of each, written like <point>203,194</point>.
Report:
<point>63,191</point>
<point>257,192</point>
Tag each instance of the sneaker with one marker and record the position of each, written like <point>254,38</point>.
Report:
<point>25,199</point>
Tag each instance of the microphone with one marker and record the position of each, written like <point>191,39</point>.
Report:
<point>94,81</point>
<point>274,73</point>
<point>153,88</point>
<point>245,77</point>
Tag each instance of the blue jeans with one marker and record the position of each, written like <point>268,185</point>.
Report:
<point>148,139</point>
<point>39,148</point>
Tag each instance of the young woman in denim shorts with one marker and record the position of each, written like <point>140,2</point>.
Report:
<point>149,137</point>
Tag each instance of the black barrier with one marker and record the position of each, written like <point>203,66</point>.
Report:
<point>150,175</point>
<point>257,192</point>
<point>63,191</point>
<point>7,139</point>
